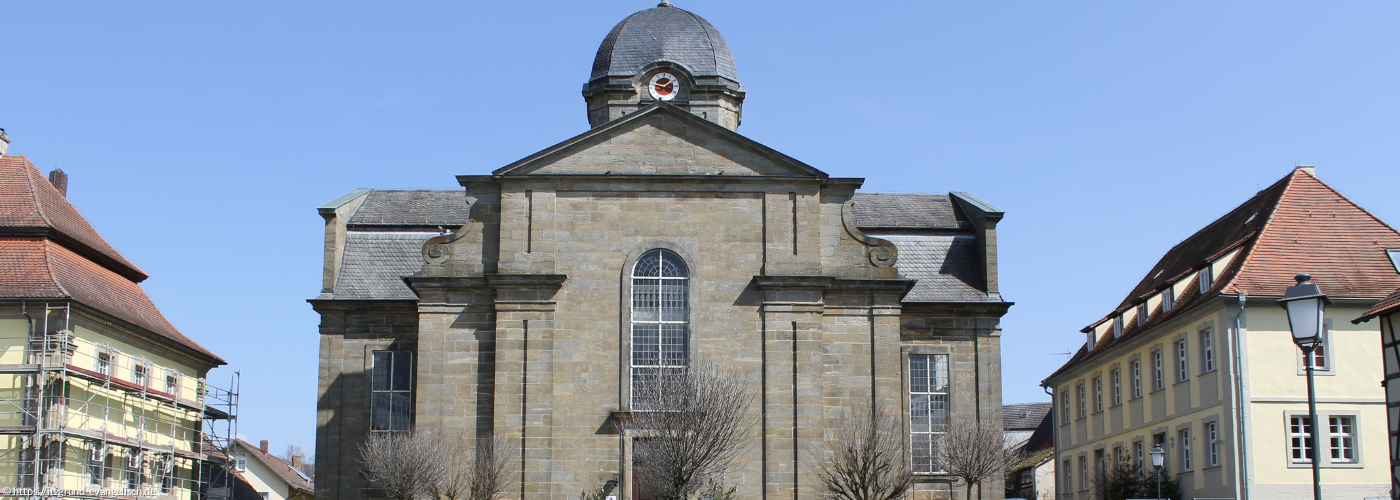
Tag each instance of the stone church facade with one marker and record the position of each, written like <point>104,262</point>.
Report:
<point>526,302</point>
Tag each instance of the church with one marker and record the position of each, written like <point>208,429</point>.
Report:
<point>527,301</point>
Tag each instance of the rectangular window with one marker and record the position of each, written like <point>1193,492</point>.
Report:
<point>1320,361</point>
<point>95,465</point>
<point>1206,279</point>
<point>104,364</point>
<point>138,373</point>
<point>1300,439</point>
<point>1117,326</point>
<point>1181,361</point>
<point>1083,473</point>
<point>1141,313</point>
<point>1080,390</point>
<point>1064,406</point>
<point>1098,465</point>
<point>391,392</point>
<point>1137,453</point>
<point>1168,299</point>
<point>167,476</point>
<point>172,384</point>
<point>133,470</point>
<point>241,464</point>
<point>928,407</point>
<point>1212,445</point>
<point>1157,382</point>
<point>1098,394</point>
<point>1137,378</point>
<point>1342,438</point>
<point>1117,387</point>
<point>1207,350</point>
<point>1185,436</point>
<point>1068,476</point>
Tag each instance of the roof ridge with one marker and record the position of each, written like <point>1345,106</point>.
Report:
<point>48,265</point>
<point>1233,284</point>
<point>34,192</point>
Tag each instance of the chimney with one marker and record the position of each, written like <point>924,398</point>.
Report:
<point>4,142</point>
<point>59,181</point>
<point>296,461</point>
<point>263,446</point>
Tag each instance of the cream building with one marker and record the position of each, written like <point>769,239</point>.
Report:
<point>100,396</point>
<point>1199,357</point>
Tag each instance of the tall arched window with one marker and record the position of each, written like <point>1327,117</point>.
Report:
<point>660,319</point>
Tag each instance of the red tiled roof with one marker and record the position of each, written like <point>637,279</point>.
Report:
<point>282,467</point>
<point>39,268</point>
<point>1297,225</point>
<point>1390,305</point>
<point>30,205</point>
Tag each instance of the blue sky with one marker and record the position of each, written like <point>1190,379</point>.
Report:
<point>200,136</point>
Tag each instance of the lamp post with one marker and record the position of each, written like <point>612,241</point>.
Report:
<point>1158,457</point>
<point>1305,303</point>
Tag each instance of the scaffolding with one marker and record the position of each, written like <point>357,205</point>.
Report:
<point>81,419</point>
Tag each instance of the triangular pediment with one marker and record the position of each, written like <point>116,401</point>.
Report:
<point>660,140</point>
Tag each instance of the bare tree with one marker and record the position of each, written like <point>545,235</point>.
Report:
<point>473,469</point>
<point>690,425</point>
<point>974,453</point>
<point>307,467</point>
<point>401,465</point>
<point>868,458</point>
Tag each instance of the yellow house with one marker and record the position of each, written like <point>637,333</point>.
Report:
<point>100,396</point>
<point>262,475</point>
<point>1199,359</point>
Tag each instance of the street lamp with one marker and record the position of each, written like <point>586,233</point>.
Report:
<point>1158,457</point>
<point>1304,303</point>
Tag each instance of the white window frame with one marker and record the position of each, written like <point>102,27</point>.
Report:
<point>172,383</point>
<point>1137,378</point>
<point>1168,298</point>
<point>140,373</point>
<point>1159,381</point>
<point>933,403</point>
<point>104,369</point>
<point>1207,350</point>
<point>1299,437</point>
<point>1064,405</point>
<point>1325,434</point>
<point>1137,452</point>
<point>1183,436</point>
<point>1068,477</point>
<point>1083,473</point>
<point>1083,406</point>
<point>1394,254</point>
<point>1117,326</point>
<point>1098,394</point>
<point>1206,278</point>
<point>1183,363</point>
<point>240,464</point>
<point>1211,430</point>
<point>96,463</point>
<point>1342,439</point>
<point>1142,314</point>
<point>1116,376</point>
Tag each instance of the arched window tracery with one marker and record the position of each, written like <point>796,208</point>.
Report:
<point>660,320</point>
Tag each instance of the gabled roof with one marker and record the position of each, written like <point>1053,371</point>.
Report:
<point>282,468</point>
<point>30,205</point>
<point>665,111</point>
<point>1297,225</point>
<point>38,268</point>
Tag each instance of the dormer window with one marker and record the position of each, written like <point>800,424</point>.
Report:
<point>1168,299</point>
<point>1394,258</point>
<point>1141,313</point>
<point>1117,326</point>
<point>1206,279</point>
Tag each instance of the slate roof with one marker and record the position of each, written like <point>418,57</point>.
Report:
<point>386,238</point>
<point>906,211</point>
<point>375,263</point>
<point>1023,416</point>
<point>1298,224</point>
<point>664,33</point>
<point>29,202</point>
<point>945,266</point>
<point>419,207</point>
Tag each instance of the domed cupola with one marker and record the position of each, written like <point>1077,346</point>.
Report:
<point>668,54</point>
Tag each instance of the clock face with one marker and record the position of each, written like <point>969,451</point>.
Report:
<point>664,86</point>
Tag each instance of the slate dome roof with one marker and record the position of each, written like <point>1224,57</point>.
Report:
<point>664,33</point>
